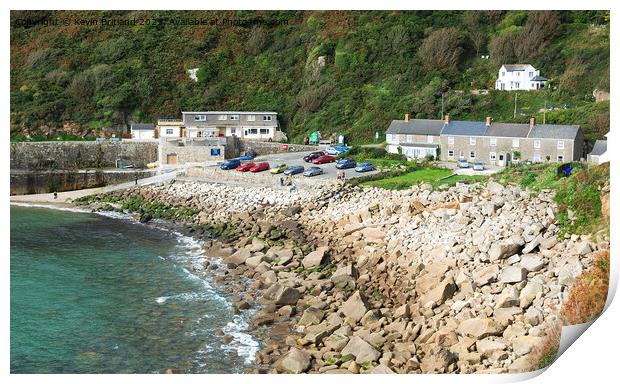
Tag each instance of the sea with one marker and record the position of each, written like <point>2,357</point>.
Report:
<point>102,293</point>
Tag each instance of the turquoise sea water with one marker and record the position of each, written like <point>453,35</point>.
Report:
<point>96,294</point>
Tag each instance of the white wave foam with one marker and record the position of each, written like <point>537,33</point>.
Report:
<point>243,343</point>
<point>50,206</point>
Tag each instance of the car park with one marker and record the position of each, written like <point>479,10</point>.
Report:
<point>346,164</point>
<point>244,167</point>
<point>478,166</point>
<point>259,167</point>
<point>462,163</point>
<point>279,169</point>
<point>313,155</point>
<point>230,164</point>
<point>324,159</point>
<point>365,167</point>
<point>313,171</point>
<point>294,169</point>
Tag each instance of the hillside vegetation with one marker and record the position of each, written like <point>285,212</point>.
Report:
<point>336,71</point>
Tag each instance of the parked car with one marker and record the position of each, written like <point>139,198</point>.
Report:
<point>336,150</point>
<point>462,163</point>
<point>478,166</point>
<point>346,164</point>
<point>230,164</point>
<point>279,169</point>
<point>313,171</point>
<point>259,167</point>
<point>249,155</point>
<point>244,167</point>
<point>294,169</point>
<point>341,148</point>
<point>313,155</point>
<point>324,159</point>
<point>365,167</point>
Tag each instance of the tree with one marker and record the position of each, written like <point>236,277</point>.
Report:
<point>502,48</point>
<point>535,38</point>
<point>256,41</point>
<point>476,34</point>
<point>442,50</point>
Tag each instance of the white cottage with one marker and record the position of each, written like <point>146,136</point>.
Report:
<point>519,77</point>
<point>142,131</point>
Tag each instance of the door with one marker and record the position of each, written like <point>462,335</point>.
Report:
<point>501,162</point>
<point>171,158</point>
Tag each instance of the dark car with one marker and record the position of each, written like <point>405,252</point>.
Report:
<point>230,164</point>
<point>313,155</point>
<point>346,164</point>
<point>324,159</point>
<point>313,171</point>
<point>294,169</point>
<point>249,155</point>
<point>365,167</point>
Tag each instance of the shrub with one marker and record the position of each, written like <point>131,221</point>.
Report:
<point>587,297</point>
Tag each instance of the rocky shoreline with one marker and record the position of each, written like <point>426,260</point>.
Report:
<point>466,279</point>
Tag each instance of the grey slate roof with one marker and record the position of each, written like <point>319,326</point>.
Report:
<point>515,67</point>
<point>142,127</point>
<point>416,127</point>
<point>508,130</point>
<point>538,78</point>
<point>464,128</point>
<point>600,147</point>
<point>551,131</point>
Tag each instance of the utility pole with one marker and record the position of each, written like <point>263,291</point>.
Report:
<point>441,117</point>
<point>514,115</point>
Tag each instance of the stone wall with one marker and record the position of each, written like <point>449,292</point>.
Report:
<point>80,154</point>
<point>30,182</point>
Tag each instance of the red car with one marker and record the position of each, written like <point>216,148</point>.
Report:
<point>324,159</point>
<point>244,167</point>
<point>260,167</point>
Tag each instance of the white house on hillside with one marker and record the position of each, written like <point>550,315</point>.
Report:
<point>515,77</point>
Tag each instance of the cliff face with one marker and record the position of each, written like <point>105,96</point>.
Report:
<point>76,73</point>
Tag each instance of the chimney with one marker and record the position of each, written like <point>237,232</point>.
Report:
<point>489,121</point>
<point>406,117</point>
<point>532,122</point>
<point>446,119</point>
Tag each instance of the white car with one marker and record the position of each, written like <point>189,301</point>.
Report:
<point>332,151</point>
<point>462,163</point>
<point>478,166</point>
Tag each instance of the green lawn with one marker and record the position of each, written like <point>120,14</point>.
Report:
<point>434,176</point>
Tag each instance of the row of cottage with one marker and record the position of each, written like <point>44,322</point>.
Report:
<point>485,141</point>
<point>250,125</point>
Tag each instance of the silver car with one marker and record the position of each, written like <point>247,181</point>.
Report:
<point>313,171</point>
<point>462,163</point>
<point>478,166</point>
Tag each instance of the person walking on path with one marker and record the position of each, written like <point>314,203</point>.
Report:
<point>282,182</point>
<point>136,178</point>
<point>55,195</point>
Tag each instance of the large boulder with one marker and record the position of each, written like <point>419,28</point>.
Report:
<point>513,274</point>
<point>437,361</point>
<point>314,258</point>
<point>362,351</point>
<point>344,275</point>
<point>529,293</point>
<point>480,328</point>
<point>239,257</point>
<point>569,272</point>
<point>486,275</point>
<point>503,250</point>
<point>282,295</point>
<point>311,316</point>
<point>532,263</point>
<point>296,361</point>
<point>356,306</point>
<point>436,296</point>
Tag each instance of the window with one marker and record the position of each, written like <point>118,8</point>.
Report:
<point>560,144</point>
<point>472,141</point>
<point>518,74</point>
<point>169,131</point>
<point>388,137</point>
<point>267,118</point>
<point>560,158</point>
<point>251,117</point>
<point>215,151</point>
<point>503,74</point>
<point>493,142</point>
<point>199,134</point>
<point>537,144</point>
<point>515,143</point>
<point>233,131</point>
<point>264,131</point>
<point>451,154</point>
<point>429,139</point>
<point>472,155</point>
<point>253,131</point>
<point>536,158</point>
<point>200,117</point>
<point>221,117</point>
<point>450,140</point>
<point>517,85</point>
<point>531,74</point>
<point>410,138</point>
<point>492,156</point>
<point>234,117</point>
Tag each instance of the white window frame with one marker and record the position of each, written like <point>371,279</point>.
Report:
<point>267,118</point>
<point>492,156</point>
<point>429,139</point>
<point>169,131</point>
<point>234,117</point>
<point>451,153</point>
<point>251,118</point>
<point>515,143</point>
<point>537,144</point>
<point>472,141</point>
<point>252,131</point>
<point>560,160</point>
<point>409,138</point>
<point>472,154</point>
<point>388,137</point>
<point>221,117</point>
<point>493,142</point>
<point>233,131</point>
<point>560,144</point>
<point>450,140</point>
<point>536,158</point>
<point>200,117</point>
<point>264,131</point>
